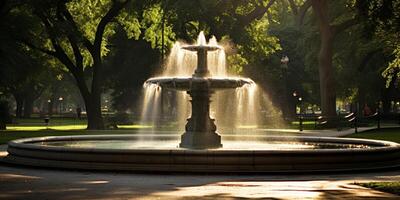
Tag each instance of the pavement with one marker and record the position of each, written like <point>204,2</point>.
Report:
<point>17,182</point>
<point>34,183</point>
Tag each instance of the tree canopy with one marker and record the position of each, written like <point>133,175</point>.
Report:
<point>112,46</point>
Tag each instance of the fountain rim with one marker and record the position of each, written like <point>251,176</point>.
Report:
<point>209,83</point>
<point>156,80</point>
<point>375,145</point>
<point>201,47</point>
<point>20,152</point>
<point>201,78</point>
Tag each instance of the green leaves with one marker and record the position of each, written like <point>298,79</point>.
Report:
<point>153,21</point>
<point>87,15</point>
<point>236,63</point>
<point>260,41</point>
<point>392,72</point>
<point>383,23</point>
<point>130,23</point>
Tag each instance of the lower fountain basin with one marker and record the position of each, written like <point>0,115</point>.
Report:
<point>203,83</point>
<point>240,154</point>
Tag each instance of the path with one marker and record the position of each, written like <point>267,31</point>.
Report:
<point>31,183</point>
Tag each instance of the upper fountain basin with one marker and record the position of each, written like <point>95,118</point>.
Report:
<point>200,83</point>
<point>201,47</point>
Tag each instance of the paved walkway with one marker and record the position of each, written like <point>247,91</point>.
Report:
<point>31,183</point>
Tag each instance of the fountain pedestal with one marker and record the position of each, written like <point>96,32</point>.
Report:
<point>200,128</point>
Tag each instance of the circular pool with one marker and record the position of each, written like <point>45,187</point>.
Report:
<point>144,152</point>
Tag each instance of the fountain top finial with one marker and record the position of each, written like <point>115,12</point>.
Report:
<point>202,44</point>
<point>201,39</point>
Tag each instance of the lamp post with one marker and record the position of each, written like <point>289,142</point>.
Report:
<point>378,116</point>
<point>301,116</point>
<point>49,107</point>
<point>298,100</point>
<point>60,99</point>
<point>284,67</point>
<point>106,106</point>
<point>295,106</point>
<point>397,111</point>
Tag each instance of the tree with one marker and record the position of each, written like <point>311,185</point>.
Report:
<point>76,33</point>
<point>127,72</point>
<point>332,18</point>
<point>4,114</point>
<point>383,22</point>
<point>328,30</point>
<point>22,71</point>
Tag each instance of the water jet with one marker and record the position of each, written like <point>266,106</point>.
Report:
<point>200,128</point>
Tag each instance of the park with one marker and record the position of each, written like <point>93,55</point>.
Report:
<point>202,99</point>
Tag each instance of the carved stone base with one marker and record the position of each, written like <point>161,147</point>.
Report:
<point>200,140</point>
<point>200,128</point>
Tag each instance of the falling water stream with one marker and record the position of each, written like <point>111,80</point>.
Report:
<point>244,107</point>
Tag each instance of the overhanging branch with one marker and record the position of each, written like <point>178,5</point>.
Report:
<point>68,16</point>
<point>77,53</point>
<point>112,12</point>
<point>115,9</point>
<point>302,12</point>
<point>257,13</point>
<point>32,46</point>
<point>63,15</point>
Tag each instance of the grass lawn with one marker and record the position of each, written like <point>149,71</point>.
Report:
<point>389,134</point>
<point>6,136</point>
<point>389,187</point>
<point>53,121</point>
<point>67,127</point>
<point>35,127</point>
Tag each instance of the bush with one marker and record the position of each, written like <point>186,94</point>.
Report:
<point>5,116</point>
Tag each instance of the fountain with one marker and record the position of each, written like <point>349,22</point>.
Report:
<point>200,128</point>
<point>200,148</point>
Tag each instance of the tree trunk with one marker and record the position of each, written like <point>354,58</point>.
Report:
<point>20,103</point>
<point>386,98</point>
<point>91,98</point>
<point>326,71</point>
<point>326,74</point>
<point>93,111</point>
<point>28,105</point>
<point>28,108</point>
<point>92,102</point>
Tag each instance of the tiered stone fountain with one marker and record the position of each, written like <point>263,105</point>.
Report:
<point>200,128</point>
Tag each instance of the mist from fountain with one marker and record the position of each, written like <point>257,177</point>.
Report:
<point>244,107</point>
